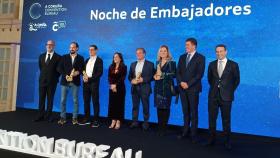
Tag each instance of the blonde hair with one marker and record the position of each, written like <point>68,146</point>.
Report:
<point>169,56</point>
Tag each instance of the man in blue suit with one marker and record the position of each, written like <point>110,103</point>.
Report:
<point>189,73</point>
<point>140,75</point>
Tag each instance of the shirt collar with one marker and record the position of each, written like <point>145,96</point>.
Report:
<point>223,60</point>
<point>93,57</point>
<point>192,53</point>
<point>51,53</point>
<point>73,56</point>
<point>141,61</point>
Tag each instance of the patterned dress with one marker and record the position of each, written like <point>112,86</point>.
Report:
<point>162,89</point>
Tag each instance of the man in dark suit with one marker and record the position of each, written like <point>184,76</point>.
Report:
<point>140,75</point>
<point>49,76</point>
<point>93,70</point>
<point>223,78</point>
<point>189,73</point>
<point>70,67</point>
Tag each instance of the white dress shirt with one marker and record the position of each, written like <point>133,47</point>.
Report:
<point>223,62</point>
<point>192,54</point>
<point>73,58</point>
<point>139,66</point>
<point>47,55</point>
<point>90,66</point>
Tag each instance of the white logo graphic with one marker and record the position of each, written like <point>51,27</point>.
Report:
<point>54,9</point>
<point>37,26</point>
<point>34,11</point>
<point>58,25</point>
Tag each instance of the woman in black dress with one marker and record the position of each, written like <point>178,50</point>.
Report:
<point>166,70</point>
<point>116,76</point>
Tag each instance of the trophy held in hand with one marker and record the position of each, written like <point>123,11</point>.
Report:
<point>85,76</point>
<point>69,78</point>
<point>158,74</point>
<point>137,78</point>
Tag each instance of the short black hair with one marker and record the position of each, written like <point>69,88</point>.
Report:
<point>77,45</point>
<point>221,45</point>
<point>192,40</point>
<point>94,46</point>
<point>143,49</point>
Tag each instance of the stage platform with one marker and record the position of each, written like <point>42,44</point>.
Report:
<point>150,142</point>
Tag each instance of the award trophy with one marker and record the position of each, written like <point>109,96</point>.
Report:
<point>69,78</point>
<point>159,72</point>
<point>138,76</point>
<point>85,77</point>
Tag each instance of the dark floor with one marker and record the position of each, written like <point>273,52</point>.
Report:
<point>152,145</point>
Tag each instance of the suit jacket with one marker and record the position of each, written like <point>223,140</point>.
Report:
<point>65,67</point>
<point>48,73</point>
<point>192,74</point>
<point>97,71</point>
<point>228,82</point>
<point>147,75</point>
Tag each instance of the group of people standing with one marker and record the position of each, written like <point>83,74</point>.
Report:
<point>223,78</point>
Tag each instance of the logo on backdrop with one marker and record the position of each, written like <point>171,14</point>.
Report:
<point>33,27</point>
<point>58,25</point>
<point>54,9</point>
<point>35,11</point>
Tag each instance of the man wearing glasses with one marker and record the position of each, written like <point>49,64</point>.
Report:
<point>49,76</point>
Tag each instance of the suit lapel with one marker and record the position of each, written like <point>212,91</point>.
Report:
<point>134,67</point>
<point>94,67</point>
<point>144,67</point>
<point>226,68</point>
<point>191,61</point>
<point>216,68</point>
<point>53,58</point>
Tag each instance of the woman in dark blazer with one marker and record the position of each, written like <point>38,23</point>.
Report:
<point>116,76</point>
<point>166,72</point>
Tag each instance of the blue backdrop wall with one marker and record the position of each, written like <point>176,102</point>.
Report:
<point>250,28</point>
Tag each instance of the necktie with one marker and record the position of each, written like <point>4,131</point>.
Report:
<point>188,59</point>
<point>220,68</point>
<point>48,59</point>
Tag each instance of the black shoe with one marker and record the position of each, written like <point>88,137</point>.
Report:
<point>133,125</point>
<point>194,139</point>
<point>228,146</point>
<point>162,133</point>
<point>145,126</point>
<point>85,121</point>
<point>49,119</point>
<point>38,119</point>
<point>95,124</point>
<point>185,134</point>
<point>210,142</point>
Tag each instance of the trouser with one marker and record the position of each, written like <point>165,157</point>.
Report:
<point>64,92</point>
<point>46,92</point>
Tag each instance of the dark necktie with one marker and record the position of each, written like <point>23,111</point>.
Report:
<point>188,59</point>
<point>48,60</point>
<point>220,68</point>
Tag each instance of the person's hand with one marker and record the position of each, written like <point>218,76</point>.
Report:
<point>184,85</point>
<point>76,73</point>
<point>85,78</point>
<point>68,78</point>
<point>157,77</point>
<point>140,80</point>
<point>114,90</point>
<point>113,87</point>
<point>134,82</point>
